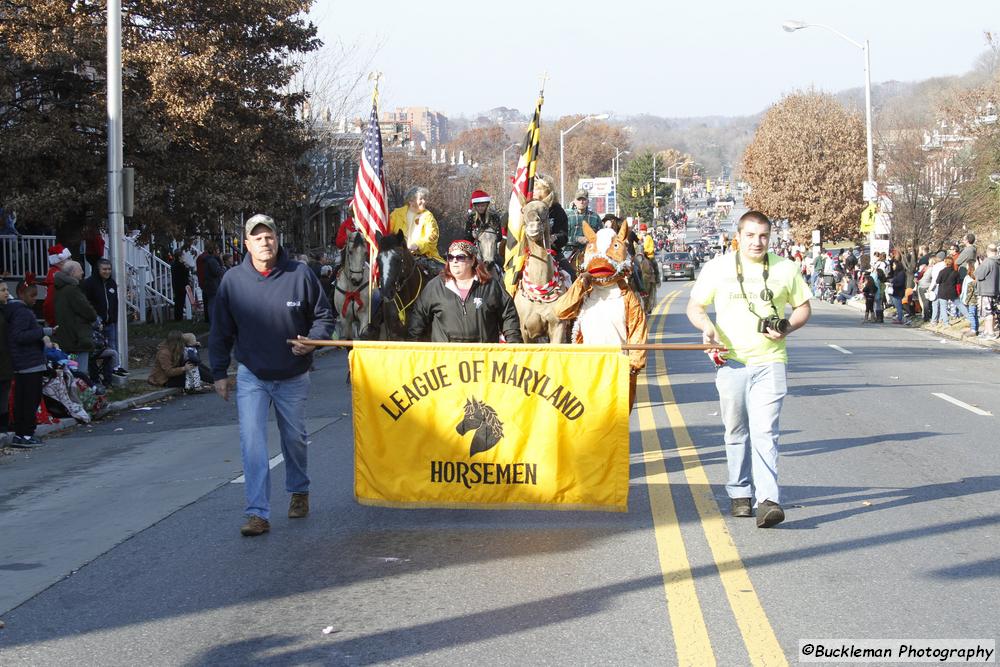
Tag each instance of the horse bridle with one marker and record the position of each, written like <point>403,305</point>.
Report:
<point>396,299</point>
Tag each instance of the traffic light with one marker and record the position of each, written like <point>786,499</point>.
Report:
<point>649,187</point>
<point>634,193</point>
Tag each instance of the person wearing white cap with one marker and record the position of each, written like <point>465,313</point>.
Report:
<point>57,255</point>
<point>261,303</point>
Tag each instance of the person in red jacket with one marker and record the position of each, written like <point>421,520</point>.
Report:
<point>346,227</point>
<point>57,255</point>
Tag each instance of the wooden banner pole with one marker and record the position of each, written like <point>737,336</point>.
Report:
<point>644,346</point>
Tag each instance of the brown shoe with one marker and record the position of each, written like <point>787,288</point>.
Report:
<point>299,507</point>
<point>255,526</point>
<point>769,514</point>
<point>741,507</point>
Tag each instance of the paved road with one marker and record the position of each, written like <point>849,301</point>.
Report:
<point>891,494</point>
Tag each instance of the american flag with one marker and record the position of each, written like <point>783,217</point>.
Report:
<point>371,209</point>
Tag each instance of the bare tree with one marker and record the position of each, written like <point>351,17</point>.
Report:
<point>923,184</point>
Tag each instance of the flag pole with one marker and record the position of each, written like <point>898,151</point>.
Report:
<point>377,76</point>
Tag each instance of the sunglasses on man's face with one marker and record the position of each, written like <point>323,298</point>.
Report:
<point>458,258</point>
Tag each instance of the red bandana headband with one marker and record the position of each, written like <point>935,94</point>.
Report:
<point>462,246</point>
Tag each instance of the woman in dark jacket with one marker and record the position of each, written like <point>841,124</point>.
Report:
<point>26,345</point>
<point>6,372</point>
<point>464,304</point>
<point>898,291</point>
<point>947,290</point>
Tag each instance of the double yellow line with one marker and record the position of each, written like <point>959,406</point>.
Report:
<point>687,620</point>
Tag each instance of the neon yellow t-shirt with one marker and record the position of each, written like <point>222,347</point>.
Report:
<point>736,325</point>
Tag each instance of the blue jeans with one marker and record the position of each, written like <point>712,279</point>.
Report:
<point>973,317</point>
<point>111,333</point>
<point>897,302</point>
<point>940,311</point>
<point>962,309</point>
<point>750,398</point>
<point>254,398</point>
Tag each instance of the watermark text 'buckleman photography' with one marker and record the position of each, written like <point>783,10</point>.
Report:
<point>897,650</point>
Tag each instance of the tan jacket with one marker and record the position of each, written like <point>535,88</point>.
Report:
<point>163,367</point>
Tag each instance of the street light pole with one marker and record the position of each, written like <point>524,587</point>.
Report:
<point>616,168</point>
<point>868,116</point>
<point>792,26</point>
<point>995,180</point>
<point>676,187</point>
<point>503,158</point>
<point>116,218</point>
<point>562,147</point>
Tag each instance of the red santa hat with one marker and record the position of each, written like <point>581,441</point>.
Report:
<point>643,227</point>
<point>58,254</point>
<point>479,197</point>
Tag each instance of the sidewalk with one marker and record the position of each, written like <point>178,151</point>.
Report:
<point>154,394</point>
<point>959,331</point>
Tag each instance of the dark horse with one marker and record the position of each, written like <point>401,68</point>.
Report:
<point>484,421</point>
<point>401,278</point>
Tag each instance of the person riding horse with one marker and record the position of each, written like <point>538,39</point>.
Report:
<point>544,191</point>
<point>581,213</point>
<point>419,227</point>
<point>483,223</point>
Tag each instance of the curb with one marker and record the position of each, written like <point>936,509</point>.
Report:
<point>963,335</point>
<point>66,423</point>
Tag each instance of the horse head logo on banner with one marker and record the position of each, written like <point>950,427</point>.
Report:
<point>482,419</point>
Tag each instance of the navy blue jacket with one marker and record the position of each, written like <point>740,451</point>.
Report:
<point>213,273</point>
<point>258,314</point>
<point>24,337</point>
<point>103,296</point>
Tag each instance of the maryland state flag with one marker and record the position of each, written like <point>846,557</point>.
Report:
<point>524,184</point>
<point>490,426</point>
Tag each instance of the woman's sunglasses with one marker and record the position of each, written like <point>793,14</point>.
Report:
<point>458,258</point>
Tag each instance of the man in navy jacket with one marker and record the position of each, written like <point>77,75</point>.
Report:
<point>260,304</point>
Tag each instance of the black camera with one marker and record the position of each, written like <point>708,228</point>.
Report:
<point>779,324</point>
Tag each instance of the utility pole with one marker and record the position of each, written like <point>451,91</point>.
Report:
<point>655,207</point>
<point>116,217</point>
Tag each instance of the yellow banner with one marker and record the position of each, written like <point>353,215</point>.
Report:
<point>868,218</point>
<point>490,426</point>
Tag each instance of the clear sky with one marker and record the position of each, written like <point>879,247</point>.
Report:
<point>667,58</point>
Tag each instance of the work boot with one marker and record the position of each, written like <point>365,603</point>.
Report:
<point>255,526</point>
<point>769,514</point>
<point>298,508</point>
<point>740,507</point>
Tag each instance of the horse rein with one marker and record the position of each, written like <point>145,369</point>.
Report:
<point>399,302</point>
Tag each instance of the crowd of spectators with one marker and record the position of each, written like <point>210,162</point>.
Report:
<point>947,287</point>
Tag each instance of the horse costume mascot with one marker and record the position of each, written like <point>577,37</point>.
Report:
<point>606,311</point>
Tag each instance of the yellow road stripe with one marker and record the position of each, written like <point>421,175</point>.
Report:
<point>686,618</point>
<point>758,635</point>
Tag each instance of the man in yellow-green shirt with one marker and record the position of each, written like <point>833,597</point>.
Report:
<point>750,290</point>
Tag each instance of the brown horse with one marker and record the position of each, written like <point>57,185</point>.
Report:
<point>540,284</point>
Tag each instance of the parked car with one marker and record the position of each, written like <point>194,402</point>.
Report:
<point>678,265</point>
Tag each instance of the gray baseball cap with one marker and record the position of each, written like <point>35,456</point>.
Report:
<point>260,219</point>
<point>581,194</point>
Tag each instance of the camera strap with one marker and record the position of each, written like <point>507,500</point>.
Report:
<point>765,294</point>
